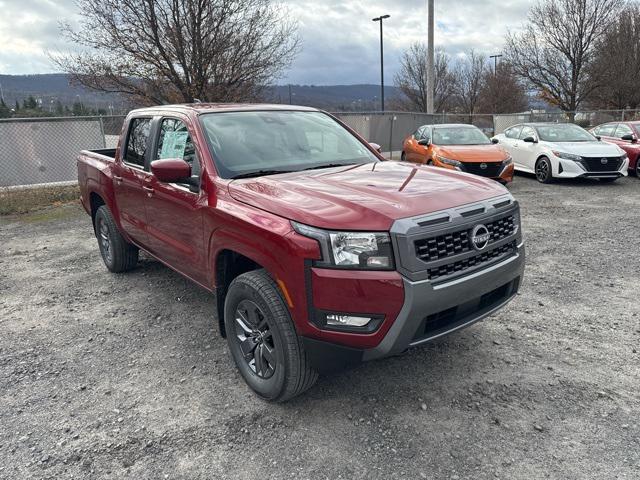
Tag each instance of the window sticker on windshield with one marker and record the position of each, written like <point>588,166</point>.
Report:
<point>174,144</point>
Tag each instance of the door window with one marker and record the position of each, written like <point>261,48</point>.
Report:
<point>137,141</point>
<point>175,142</point>
<point>527,132</point>
<point>605,130</point>
<point>513,132</point>
<point>623,130</point>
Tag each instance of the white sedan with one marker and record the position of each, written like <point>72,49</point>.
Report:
<point>562,150</point>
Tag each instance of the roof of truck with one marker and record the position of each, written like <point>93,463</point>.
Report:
<point>223,107</point>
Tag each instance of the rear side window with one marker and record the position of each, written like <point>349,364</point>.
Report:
<point>605,130</point>
<point>137,141</point>
<point>513,132</point>
<point>175,142</point>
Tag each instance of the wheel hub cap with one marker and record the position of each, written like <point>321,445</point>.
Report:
<point>255,339</point>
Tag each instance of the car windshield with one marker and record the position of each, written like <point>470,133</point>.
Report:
<point>253,143</point>
<point>564,133</point>
<point>459,136</point>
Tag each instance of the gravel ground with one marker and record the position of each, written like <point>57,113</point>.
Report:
<point>125,376</point>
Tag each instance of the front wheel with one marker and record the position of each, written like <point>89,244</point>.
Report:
<point>262,339</point>
<point>544,173</point>
<point>638,168</point>
<point>403,157</point>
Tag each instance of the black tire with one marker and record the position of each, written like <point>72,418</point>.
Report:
<point>403,157</point>
<point>544,172</point>
<point>118,255</point>
<point>608,180</point>
<point>638,168</point>
<point>429,162</point>
<point>273,361</point>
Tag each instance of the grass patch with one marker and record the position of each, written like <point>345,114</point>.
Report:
<point>13,201</point>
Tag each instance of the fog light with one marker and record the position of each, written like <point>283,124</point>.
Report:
<point>378,262</point>
<point>347,320</point>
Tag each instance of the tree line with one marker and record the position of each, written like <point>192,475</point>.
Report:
<point>31,107</point>
<point>571,53</point>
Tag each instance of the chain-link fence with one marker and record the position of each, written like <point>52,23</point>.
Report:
<point>43,150</point>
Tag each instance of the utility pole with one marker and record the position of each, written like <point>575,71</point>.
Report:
<point>1,93</point>
<point>289,94</point>
<point>379,19</point>
<point>495,63</point>
<point>430,63</point>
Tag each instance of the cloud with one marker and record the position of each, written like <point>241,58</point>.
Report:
<point>340,43</point>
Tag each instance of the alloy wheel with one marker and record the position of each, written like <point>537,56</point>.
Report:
<point>105,240</point>
<point>542,170</point>
<point>255,339</point>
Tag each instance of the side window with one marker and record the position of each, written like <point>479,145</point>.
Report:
<point>426,134</point>
<point>605,130</point>
<point>137,141</point>
<point>623,130</point>
<point>418,134</point>
<point>175,142</point>
<point>513,132</point>
<point>527,132</point>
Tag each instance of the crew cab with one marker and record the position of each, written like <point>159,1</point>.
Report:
<point>562,150</point>
<point>320,252</point>
<point>625,135</point>
<point>458,147</point>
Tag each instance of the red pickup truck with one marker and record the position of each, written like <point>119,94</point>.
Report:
<point>321,253</point>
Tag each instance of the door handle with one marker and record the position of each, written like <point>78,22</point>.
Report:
<point>149,191</point>
<point>117,179</point>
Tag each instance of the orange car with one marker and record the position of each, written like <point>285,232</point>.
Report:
<point>458,147</point>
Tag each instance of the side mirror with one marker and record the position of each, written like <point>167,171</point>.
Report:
<point>495,140</point>
<point>629,138</point>
<point>529,140</point>
<point>376,147</point>
<point>425,142</point>
<point>171,170</point>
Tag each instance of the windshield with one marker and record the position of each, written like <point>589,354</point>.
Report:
<point>459,136</point>
<point>564,133</point>
<point>266,142</point>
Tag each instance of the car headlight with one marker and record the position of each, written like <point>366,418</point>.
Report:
<point>350,250</point>
<point>449,161</point>
<point>567,156</point>
<point>507,161</point>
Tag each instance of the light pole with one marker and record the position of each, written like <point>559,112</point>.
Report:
<point>495,63</point>
<point>430,63</point>
<point>380,19</point>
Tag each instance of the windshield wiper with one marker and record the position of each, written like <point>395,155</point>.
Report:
<point>259,173</point>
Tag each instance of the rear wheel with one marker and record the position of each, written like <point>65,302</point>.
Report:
<point>262,339</point>
<point>118,254</point>
<point>544,173</point>
<point>638,167</point>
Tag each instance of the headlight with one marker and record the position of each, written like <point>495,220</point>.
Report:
<point>350,250</point>
<point>449,161</point>
<point>567,156</point>
<point>507,161</point>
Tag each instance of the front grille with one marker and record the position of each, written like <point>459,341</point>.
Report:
<point>450,244</point>
<point>492,169</point>
<point>482,258</point>
<point>594,164</point>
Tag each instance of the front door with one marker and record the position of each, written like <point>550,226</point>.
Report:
<point>174,210</point>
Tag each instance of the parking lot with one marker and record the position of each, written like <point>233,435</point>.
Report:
<point>125,376</point>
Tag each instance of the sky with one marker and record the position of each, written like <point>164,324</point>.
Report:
<point>340,43</point>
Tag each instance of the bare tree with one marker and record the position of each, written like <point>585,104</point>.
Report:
<point>470,74</point>
<point>502,91</point>
<point>554,51</point>
<point>162,51</point>
<point>413,75</point>
<point>616,65</point>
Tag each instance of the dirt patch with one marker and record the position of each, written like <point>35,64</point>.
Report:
<point>124,376</point>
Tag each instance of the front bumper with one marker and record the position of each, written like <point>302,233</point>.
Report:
<point>571,169</point>
<point>428,307</point>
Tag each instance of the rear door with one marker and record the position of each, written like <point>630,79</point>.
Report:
<point>510,142</point>
<point>174,210</point>
<point>128,178</point>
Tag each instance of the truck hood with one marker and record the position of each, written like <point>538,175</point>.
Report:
<point>586,149</point>
<point>472,153</point>
<point>362,197</point>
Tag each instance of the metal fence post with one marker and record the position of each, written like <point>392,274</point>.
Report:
<point>391,119</point>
